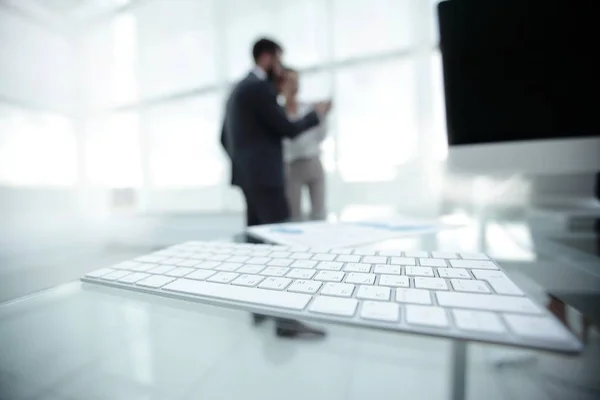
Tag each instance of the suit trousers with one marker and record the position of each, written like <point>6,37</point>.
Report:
<point>266,205</point>
<point>306,172</point>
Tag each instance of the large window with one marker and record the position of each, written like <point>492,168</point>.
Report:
<point>182,142</point>
<point>376,119</point>
<point>156,77</point>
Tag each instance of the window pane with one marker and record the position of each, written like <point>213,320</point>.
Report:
<point>299,25</point>
<point>370,27</point>
<point>112,151</point>
<point>184,147</point>
<point>376,120</point>
<point>177,46</point>
<point>244,23</point>
<point>36,148</point>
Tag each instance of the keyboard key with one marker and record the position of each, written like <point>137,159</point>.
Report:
<point>375,260</point>
<point>143,267</point>
<point>280,254</point>
<point>415,296</point>
<point>275,283</point>
<point>432,262</point>
<point>390,253</point>
<point>487,302</point>
<point>258,260</point>
<point>380,311</point>
<point>155,281</point>
<point>426,315</point>
<point>484,275</point>
<point>180,271</point>
<point>199,256</point>
<point>301,256</point>
<point>536,327</point>
<point>238,259</point>
<point>469,285</point>
<point>337,289</point>
<point>416,254</point>
<point>280,262</point>
<point>443,254</point>
<point>403,261</point>
<point>324,257</point>
<point>499,281</point>
<point>333,306</point>
<point>161,269</point>
<point>228,266</point>
<point>301,273</point>
<point>474,256</point>
<point>364,252</point>
<point>304,286</point>
<point>388,269</point>
<point>373,293</point>
<point>250,269</point>
<point>448,273</point>
<point>304,264</point>
<point>360,278</point>
<point>479,321</point>
<point>473,264</point>
<point>223,277</point>
<point>134,277</point>
<point>331,276</point>
<point>393,280</point>
<point>200,274</point>
<point>341,251</point>
<point>505,286</point>
<point>248,280</point>
<point>207,264</point>
<point>348,258</point>
<point>214,257</point>
<point>357,267</point>
<point>99,272</point>
<point>330,265</point>
<point>419,271</point>
<point>187,263</point>
<point>275,271</point>
<point>260,253</point>
<point>115,275</point>
<point>271,298</point>
<point>430,283</point>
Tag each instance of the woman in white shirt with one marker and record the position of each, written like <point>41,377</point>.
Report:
<point>302,156</point>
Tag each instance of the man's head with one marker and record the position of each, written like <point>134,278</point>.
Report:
<point>267,55</point>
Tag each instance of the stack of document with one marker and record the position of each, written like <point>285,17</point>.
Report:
<point>344,234</point>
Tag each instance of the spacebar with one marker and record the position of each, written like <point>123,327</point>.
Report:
<point>272,298</point>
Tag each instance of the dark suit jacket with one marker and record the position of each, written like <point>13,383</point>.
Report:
<point>254,127</point>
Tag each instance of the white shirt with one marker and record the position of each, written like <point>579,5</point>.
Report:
<point>307,144</point>
<point>259,72</point>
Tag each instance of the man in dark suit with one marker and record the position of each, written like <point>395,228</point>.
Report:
<point>254,127</point>
<point>252,134</point>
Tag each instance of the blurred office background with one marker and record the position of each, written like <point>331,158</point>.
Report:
<point>110,112</point>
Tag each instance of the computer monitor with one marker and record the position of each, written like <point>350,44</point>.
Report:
<point>522,85</point>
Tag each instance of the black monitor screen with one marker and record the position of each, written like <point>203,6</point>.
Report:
<point>520,69</point>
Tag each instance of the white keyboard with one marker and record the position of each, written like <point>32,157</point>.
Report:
<point>456,295</point>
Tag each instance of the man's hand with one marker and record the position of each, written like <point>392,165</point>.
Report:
<point>323,107</point>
